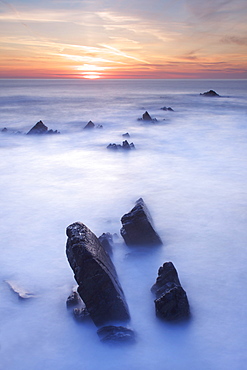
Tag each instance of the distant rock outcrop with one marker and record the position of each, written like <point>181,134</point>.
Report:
<point>89,125</point>
<point>115,334</point>
<point>41,129</point>
<point>210,93</point>
<point>147,118</point>
<point>96,276</point>
<point>137,229</point>
<point>124,146</point>
<point>171,301</point>
<point>167,109</point>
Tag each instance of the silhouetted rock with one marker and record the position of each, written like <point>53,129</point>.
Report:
<point>126,134</point>
<point>171,301</point>
<point>116,334</point>
<point>167,109</point>
<point>124,146</point>
<point>96,276</point>
<point>210,93</point>
<point>138,227</point>
<point>40,129</point>
<point>89,125</point>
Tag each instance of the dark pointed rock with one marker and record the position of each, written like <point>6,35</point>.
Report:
<point>96,276</point>
<point>38,129</point>
<point>210,93</point>
<point>126,134</point>
<point>171,301</point>
<point>138,227</point>
<point>146,116</point>
<point>116,334</point>
<point>41,129</point>
<point>89,125</point>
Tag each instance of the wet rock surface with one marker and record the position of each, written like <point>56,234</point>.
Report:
<point>138,229</point>
<point>99,287</point>
<point>171,301</point>
<point>116,334</point>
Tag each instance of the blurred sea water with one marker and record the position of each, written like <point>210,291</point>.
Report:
<point>189,167</point>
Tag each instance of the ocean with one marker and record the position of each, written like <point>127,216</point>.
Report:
<point>189,166</point>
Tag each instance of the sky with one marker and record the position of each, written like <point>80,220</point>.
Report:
<point>123,39</point>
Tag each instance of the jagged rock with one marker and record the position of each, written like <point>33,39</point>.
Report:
<point>21,292</point>
<point>116,334</point>
<point>96,276</point>
<point>124,146</point>
<point>138,227</point>
<point>171,301</point>
<point>167,109</point>
<point>210,93</point>
<point>106,241</point>
<point>89,125</point>
<point>126,135</point>
<point>40,129</point>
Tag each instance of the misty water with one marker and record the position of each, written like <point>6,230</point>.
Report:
<point>190,169</point>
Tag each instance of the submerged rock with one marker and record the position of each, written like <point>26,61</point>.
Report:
<point>96,276</point>
<point>89,125</point>
<point>115,334</point>
<point>210,93</point>
<point>40,129</point>
<point>20,291</point>
<point>124,146</point>
<point>138,227</point>
<point>171,301</point>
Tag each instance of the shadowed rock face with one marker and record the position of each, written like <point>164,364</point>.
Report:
<point>138,227</point>
<point>96,276</point>
<point>171,301</point>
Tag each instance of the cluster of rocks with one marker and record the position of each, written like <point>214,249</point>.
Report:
<point>41,129</point>
<point>124,146</point>
<point>90,125</point>
<point>99,295</point>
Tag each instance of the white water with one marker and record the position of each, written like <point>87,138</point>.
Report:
<point>190,170</point>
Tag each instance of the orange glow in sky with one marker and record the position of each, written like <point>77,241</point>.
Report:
<point>146,39</point>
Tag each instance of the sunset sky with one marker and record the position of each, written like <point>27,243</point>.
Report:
<point>123,39</point>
